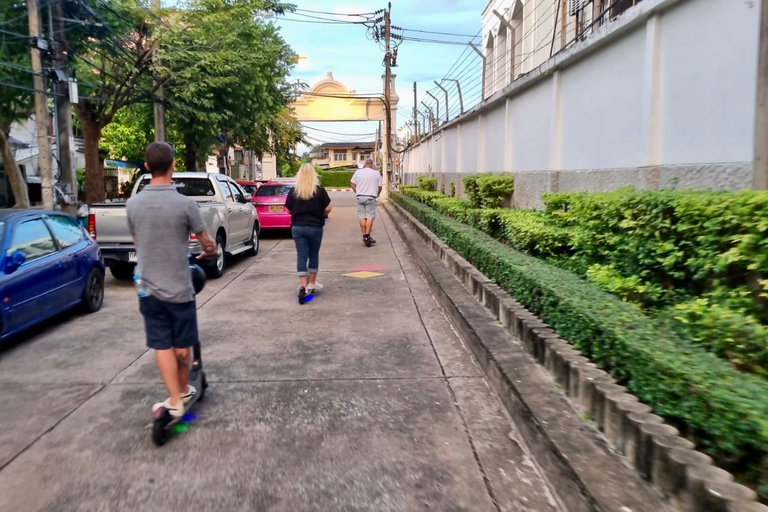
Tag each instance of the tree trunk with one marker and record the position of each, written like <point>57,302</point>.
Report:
<point>94,172</point>
<point>190,155</point>
<point>16,179</point>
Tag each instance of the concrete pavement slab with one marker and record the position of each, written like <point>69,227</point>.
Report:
<point>30,410</point>
<point>354,445</point>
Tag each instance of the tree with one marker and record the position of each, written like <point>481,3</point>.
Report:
<point>228,74</point>
<point>129,133</point>
<point>16,100</point>
<point>113,53</point>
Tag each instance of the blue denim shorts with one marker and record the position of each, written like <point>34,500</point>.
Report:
<point>169,325</point>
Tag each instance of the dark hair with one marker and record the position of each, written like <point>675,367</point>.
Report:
<point>159,157</point>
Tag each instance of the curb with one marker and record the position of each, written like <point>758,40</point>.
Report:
<point>338,190</point>
<point>587,474</point>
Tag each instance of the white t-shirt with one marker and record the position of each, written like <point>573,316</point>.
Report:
<point>367,181</point>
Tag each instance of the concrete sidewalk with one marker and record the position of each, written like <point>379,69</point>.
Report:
<point>363,399</point>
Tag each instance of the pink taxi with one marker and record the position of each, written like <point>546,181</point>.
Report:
<point>269,201</point>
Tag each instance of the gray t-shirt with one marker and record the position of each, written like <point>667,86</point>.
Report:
<point>160,220</point>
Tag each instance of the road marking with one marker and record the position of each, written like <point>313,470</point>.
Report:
<point>363,274</point>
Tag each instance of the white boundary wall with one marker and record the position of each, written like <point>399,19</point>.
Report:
<point>664,96</point>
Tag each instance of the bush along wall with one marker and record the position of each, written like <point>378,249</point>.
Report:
<point>489,190</point>
<point>723,410</point>
<point>336,179</point>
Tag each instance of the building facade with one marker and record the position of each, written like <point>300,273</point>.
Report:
<point>343,154</point>
<point>521,35</point>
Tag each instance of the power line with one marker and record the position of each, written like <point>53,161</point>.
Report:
<point>339,13</point>
<point>434,41</point>
<point>437,33</point>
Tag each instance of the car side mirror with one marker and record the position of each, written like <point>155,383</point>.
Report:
<point>15,260</point>
<point>247,197</point>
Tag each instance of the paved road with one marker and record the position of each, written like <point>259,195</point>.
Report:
<point>363,399</point>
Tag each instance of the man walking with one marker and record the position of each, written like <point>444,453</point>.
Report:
<point>367,183</point>
<point>161,220</point>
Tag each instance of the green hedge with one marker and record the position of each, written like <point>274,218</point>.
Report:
<point>724,411</point>
<point>489,190</point>
<point>427,183</point>
<point>336,179</point>
<point>687,243</point>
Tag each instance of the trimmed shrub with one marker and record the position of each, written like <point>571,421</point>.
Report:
<point>336,179</point>
<point>688,243</point>
<point>489,190</point>
<point>452,207</point>
<point>534,233</point>
<point>427,183</point>
<point>724,411</point>
<point>729,334</point>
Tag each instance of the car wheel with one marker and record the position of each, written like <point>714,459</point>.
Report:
<point>254,250</point>
<point>93,293</point>
<point>216,269</point>
<point>122,272</point>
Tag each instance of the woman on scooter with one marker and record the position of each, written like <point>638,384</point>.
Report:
<point>308,203</point>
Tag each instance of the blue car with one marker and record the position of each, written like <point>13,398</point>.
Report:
<point>48,264</point>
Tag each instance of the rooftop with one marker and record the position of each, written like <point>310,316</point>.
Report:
<point>348,145</point>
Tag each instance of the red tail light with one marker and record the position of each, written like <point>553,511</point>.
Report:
<point>92,225</point>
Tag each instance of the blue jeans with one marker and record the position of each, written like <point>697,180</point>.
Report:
<point>308,240</point>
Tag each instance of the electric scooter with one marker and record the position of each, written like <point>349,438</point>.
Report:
<point>162,426</point>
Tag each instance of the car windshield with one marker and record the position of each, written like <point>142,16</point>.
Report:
<point>187,186</point>
<point>274,190</point>
<point>250,189</point>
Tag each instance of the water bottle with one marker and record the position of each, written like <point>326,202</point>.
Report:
<point>141,286</point>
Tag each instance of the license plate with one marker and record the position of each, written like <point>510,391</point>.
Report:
<point>276,209</point>
<point>132,257</point>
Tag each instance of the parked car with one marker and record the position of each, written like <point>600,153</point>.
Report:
<point>251,187</point>
<point>270,204</point>
<point>49,265</point>
<point>226,209</point>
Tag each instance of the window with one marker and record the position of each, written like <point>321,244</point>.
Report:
<point>339,156</point>
<point>239,196</point>
<point>251,189</point>
<point>324,155</point>
<point>190,187</point>
<point>225,190</point>
<point>33,239</point>
<point>274,190</point>
<point>67,231</point>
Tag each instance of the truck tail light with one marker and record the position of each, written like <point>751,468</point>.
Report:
<point>92,225</point>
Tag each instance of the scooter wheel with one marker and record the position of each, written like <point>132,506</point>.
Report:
<point>160,431</point>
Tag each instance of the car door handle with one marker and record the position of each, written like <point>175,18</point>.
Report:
<point>230,210</point>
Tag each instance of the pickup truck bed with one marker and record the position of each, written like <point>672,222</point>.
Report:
<point>228,214</point>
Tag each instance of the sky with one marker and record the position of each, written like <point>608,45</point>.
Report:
<point>356,61</point>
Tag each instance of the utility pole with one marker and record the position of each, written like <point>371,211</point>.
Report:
<point>64,134</point>
<point>387,106</point>
<point>159,108</point>
<point>760,171</point>
<point>41,105</point>
<point>415,119</point>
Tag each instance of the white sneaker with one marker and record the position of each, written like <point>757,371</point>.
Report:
<point>314,287</point>
<point>185,398</point>
<point>176,412</point>
<point>191,391</point>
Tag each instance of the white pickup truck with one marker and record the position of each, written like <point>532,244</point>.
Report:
<point>226,209</point>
